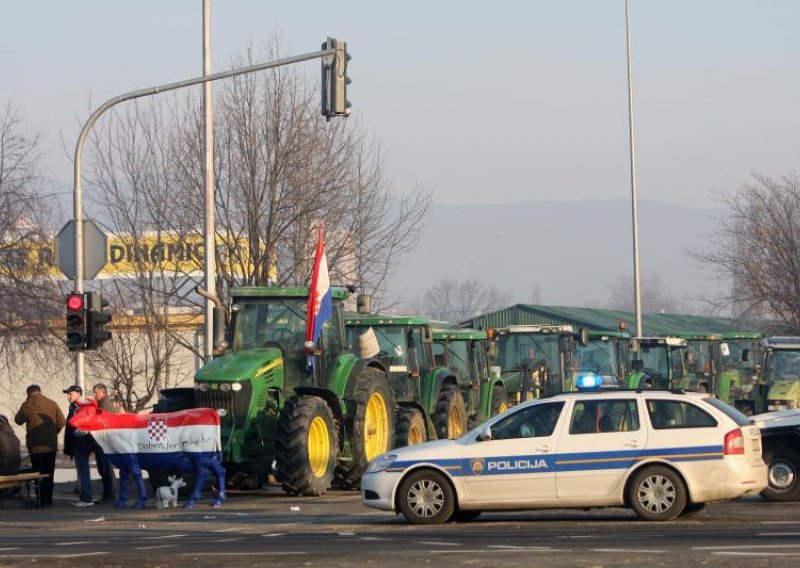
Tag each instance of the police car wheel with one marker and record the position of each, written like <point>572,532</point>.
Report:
<point>657,494</point>
<point>782,474</point>
<point>426,498</point>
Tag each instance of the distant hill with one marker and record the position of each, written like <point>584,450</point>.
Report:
<point>572,251</point>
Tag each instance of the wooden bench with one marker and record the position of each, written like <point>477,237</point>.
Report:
<point>26,480</point>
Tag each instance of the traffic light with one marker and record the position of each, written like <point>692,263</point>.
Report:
<point>97,320</point>
<point>76,322</point>
<point>335,80</point>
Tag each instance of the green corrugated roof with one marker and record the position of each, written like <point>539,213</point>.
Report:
<point>604,320</point>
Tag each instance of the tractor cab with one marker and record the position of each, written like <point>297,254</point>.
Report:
<point>657,362</point>
<point>536,360</point>
<point>603,353</point>
<point>402,343</point>
<point>782,372</point>
<point>725,365</point>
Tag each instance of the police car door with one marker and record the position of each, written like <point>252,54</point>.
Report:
<point>516,463</point>
<point>603,441</point>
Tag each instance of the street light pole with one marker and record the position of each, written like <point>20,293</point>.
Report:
<point>637,292</point>
<point>209,234</point>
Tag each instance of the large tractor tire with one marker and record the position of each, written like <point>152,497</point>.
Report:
<point>450,416</point>
<point>307,447</point>
<point>409,428</point>
<point>499,400</point>
<point>783,465</point>
<point>370,424</point>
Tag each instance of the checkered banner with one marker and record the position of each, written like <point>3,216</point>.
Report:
<point>157,429</point>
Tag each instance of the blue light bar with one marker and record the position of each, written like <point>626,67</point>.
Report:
<point>588,381</point>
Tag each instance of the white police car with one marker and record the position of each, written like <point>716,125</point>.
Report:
<point>661,453</point>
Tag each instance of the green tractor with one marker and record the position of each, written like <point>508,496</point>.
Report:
<point>467,353</point>
<point>431,399</point>
<point>535,360</point>
<point>603,353</point>
<point>657,362</point>
<point>725,365</point>
<point>781,373</point>
<point>320,423</point>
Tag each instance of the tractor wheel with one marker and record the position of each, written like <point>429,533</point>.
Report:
<point>371,424</point>
<point>409,428</point>
<point>499,400</point>
<point>782,474</point>
<point>657,494</point>
<point>450,417</point>
<point>306,446</point>
<point>426,498</point>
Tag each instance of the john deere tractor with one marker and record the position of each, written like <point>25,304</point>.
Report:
<point>536,360</point>
<point>725,364</point>
<point>657,362</point>
<point>467,353</point>
<point>603,353</point>
<point>321,413</point>
<point>781,385</point>
<point>432,399</point>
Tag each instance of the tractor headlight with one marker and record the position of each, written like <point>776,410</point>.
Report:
<point>380,463</point>
<point>236,386</point>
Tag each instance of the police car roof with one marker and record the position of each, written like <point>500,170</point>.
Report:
<point>624,393</point>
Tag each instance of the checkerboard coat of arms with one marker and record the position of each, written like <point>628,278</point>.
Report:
<point>157,429</point>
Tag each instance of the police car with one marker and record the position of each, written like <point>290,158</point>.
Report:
<point>662,453</point>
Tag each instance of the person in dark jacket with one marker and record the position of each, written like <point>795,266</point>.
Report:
<point>78,446</point>
<point>43,420</point>
<point>106,404</point>
<point>9,449</point>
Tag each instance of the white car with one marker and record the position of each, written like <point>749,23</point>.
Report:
<point>661,453</point>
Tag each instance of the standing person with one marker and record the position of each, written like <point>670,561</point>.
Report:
<point>106,404</point>
<point>9,449</point>
<point>78,446</point>
<point>43,421</point>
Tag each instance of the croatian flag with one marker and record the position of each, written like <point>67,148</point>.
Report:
<point>158,441</point>
<point>320,305</point>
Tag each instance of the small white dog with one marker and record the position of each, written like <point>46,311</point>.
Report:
<point>167,495</point>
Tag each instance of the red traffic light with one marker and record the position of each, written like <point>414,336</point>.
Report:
<point>75,302</point>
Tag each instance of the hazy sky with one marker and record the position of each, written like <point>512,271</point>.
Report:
<point>484,102</point>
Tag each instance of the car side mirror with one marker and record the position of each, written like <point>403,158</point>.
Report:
<point>485,433</point>
<point>745,354</point>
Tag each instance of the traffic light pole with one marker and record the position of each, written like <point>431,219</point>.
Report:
<point>77,199</point>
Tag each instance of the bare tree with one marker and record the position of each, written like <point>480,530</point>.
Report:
<point>757,246</point>
<point>27,290</point>
<point>656,295</point>
<point>454,300</point>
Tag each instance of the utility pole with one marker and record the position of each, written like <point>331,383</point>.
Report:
<point>637,292</point>
<point>209,234</point>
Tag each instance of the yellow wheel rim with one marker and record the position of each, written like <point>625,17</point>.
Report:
<point>415,435</point>
<point>376,427</point>
<point>454,422</point>
<point>319,446</point>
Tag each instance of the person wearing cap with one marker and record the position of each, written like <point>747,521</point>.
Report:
<point>9,449</point>
<point>43,421</point>
<point>78,446</point>
<point>106,404</point>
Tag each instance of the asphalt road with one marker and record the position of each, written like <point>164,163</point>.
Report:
<point>336,530</point>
